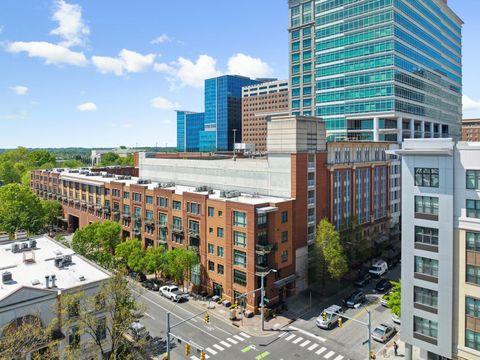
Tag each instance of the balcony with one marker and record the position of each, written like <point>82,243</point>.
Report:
<point>193,233</point>
<point>177,229</point>
<point>162,239</point>
<point>264,248</point>
<point>126,216</point>
<point>311,183</point>
<point>261,270</point>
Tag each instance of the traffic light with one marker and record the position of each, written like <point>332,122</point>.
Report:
<point>340,322</point>
<point>187,349</point>
<point>324,315</point>
<point>206,318</point>
<point>372,355</point>
<point>202,355</point>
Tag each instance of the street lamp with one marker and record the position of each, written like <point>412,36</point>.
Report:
<point>262,294</point>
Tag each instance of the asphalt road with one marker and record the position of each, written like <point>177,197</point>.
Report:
<point>301,340</point>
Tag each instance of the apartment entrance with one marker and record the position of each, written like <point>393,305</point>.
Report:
<point>217,289</point>
<point>73,223</point>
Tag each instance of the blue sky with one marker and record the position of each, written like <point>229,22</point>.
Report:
<point>107,73</point>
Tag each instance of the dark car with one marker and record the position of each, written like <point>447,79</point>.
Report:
<point>383,285</point>
<point>151,285</point>
<point>357,297</point>
<point>363,279</point>
<point>138,276</point>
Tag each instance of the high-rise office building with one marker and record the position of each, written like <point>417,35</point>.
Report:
<point>440,249</point>
<point>189,125</point>
<point>377,69</point>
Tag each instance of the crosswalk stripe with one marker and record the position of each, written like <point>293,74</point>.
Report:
<point>305,343</point>
<point>318,352</point>
<point>313,347</point>
<point>245,335</point>
<point>232,341</point>
<point>297,340</point>
<point>329,355</point>
<point>224,343</point>
<point>290,337</point>
<point>216,346</point>
<point>211,351</point>
<point>282,334</point>
<point>238,337</point>
<point>339,357</point>
<point>193,357</point>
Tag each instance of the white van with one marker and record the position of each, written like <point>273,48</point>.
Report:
<point>378,268</point>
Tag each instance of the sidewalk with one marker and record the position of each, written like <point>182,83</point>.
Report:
<point>388,353</point>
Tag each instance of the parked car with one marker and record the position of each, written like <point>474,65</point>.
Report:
<point>383,300</point>
<point>383,333</point>
<point>383,285</point>
<point>363,279</point>
<point>357,297</point>
<point>138,331</point>
<point>378,268</point>
<point>332,314</point>
<point>396,319</point>
<point>173,293</point>
<point>138,276</point>
<point>151,285</point>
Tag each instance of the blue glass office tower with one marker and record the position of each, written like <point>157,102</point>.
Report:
<point>189,125</point>
<point>377,69</point>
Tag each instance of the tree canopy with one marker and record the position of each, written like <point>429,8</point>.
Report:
<point>394,298</point>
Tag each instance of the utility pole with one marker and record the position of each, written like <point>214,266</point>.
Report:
<point>262,295</point>
<point>167,332</point>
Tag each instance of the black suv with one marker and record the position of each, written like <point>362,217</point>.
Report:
<point>357,297</point>
<point>383,285</point>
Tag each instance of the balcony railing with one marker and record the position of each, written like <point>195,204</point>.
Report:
<point>177,229</point>
<point>193,233</point>
<point>264,248</point>
<point>260,270</point>
<point>311,182</point>
<point>311,201</point>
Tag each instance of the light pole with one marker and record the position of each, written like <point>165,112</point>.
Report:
<point>234,141</point>
<point>262,295</point>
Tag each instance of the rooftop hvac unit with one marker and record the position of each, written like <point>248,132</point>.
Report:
<point>81,278</point>
<point>7,277</point>
<point>24,245</point>
<point>120,177</point>
<point>127,177</point>
<point>15,247</point>
<point>32,244</point>
<point>62,261</point>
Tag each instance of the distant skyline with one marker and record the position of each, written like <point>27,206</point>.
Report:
<point>109,73</point>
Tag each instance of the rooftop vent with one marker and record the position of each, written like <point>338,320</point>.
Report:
<point>35,282</point>
<point>143,181</point>
<point>81,278</point>
<point>63,261</point>
<point>229,194</point>
<point>166,185</point>
<point>73,171</point>
<point>7,277</point>
<point>32,244</point>
<point>15,247</point>
<point>120,177</point>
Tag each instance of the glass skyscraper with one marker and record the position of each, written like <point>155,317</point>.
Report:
<point>189,125</point>
<point>377,69</point>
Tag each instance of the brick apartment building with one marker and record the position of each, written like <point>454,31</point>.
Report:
<point>471,130</point>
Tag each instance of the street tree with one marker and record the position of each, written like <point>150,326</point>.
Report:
<point>154,260</point>
<point>130,254</point>
<point>110,158</point>
<point>179,262</point>
<point>109,235</point>
<point>394,298</point>
<point>51,211</point>
<point>20,209</point>
<point>9,174</point>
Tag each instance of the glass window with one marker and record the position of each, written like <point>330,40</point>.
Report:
<point>220,269</point>
<point>295,10</point>
<point>284,256</point>
<point>239,277</point>
<point>307,31</point>
<point>220,251</point>
<point>473,274</point>
<point>177,205</point>
<point>425,296</point>
<point>211,249</point>
<point>307,79</point>
<point>425,327</point>
<point>295,80</point>
<point>126,195</point>
<point>472,339</point>
<point>426,266</point>
<point>211,211</point>
<point>473,179</point>
<point>284,216</point>
<point>295,104</point>
<point>472,307</point>
<point>149,199</point>
<point>307,55</point>
<point>296,92</point>
<point>239,219</point>
<point>307,43</point>
<point>426,205</point>
<point>426,177</point>
<point>296,46</point>
<point>295,58</point>
<point>284,236</point>
<point>101,331</point>
<point>211,266</point>
<point>239,239</point>
<point>426,235</point>
<point>262,219</point>
<point>473,241</point>
<point>295,69</point>
<point>307,66</point>
<point>239,258</point>
<point>307,90</point>
<point>295,34</point>
<point>473,208</point>
<point>220,232</point>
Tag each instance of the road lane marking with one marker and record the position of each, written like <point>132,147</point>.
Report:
<point>245,335</point>
<point>307,333</point>
<point>297,340</point>
<point>150,316</point>
<point>329,354</point>
<point>238,337</point>
<point>194,320</point>
<point>224,343</point>
<point>193,357</point>
<point>318,352</point>
<point>232,341</point>
<point>305,343</point>
<point>339,357</point>
<point>216,346</point>
<point>290,337</point>
<point>246,349</point>
<point>312,347</point>
<point>262,355</point>
<point>211,351</point>
<point>282,334</point>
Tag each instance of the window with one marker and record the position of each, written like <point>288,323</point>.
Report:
<point>262,219</point>
<point>307,31</point>
<point>425,327</point>
<point>284,217</point>
<point>211,249</point>
<point>472,307</point>
<point>211,211</point>
<point>425,296</point>
<point>149,215</point>
<point>239,239</point>
<point>473,208</point>
<point>284,236</point>
<point>239,219</point>
<point>177,205</point>
<point>240,278</point>
<point>126,195</point>
<point>73,309</point>
<point>220,213</point>
<point>194,227</point>
<point>162,219</point>
<point>220,269</point>
<point>210,230</point>
<point>211,266</point>
<point>284,256</point>
<point>426,235</point>
<point>193,208</point>
<point>162,202</point>
<point>473,241</point>
<point>101,331</point>
<point>426,177</point>
<point>472,339</point>
<point>219,232</point>
<point>295,34</point>
<point>473,274</point>
<point>177,223</point>
<point>149,199</point>
<point>239,258</point>
<point>219,251</point>
<point>137,197</point>
<point>473,179</point>
<point>426,266</point>
<point>426,205</point>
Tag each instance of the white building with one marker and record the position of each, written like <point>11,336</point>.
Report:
<point>36,274</point>
<point>441,248</point>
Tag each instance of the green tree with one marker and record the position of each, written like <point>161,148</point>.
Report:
<point>72,163</point>
<point>394,298</point>
<point>8,173</point>
<point>154,260</point>
<point>131,254</point>
<point>20,209</point>
<point>179,262</point>
<point>38,158</point>
<point>355,243</point>
<point>109,235</point>
<point>110,158</point>
<point>51,210</point>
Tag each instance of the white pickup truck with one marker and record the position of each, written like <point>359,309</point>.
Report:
<point>173,293</point>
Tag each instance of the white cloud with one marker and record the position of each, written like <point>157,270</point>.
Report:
<point>163,104</point>
<point>19,89</point>
<point>123,126</point>
<point>190,73</point>
<point>70,24</point>
<point>88,106</point>
<point>51,53</point>
<point>469,103</point>
<point>161,39</point>
<point>241,64</point>
<point>1,28</point>
<point>127,61</point>
<point>15,115</point>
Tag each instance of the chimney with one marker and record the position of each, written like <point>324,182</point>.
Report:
<point>47,282</point>
<point>53,277</point>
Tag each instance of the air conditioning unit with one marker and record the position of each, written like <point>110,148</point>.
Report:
<point>6,277</point>
<point>62,261</point>
<point>32,244</point>
<point>24,245</point>
<point>15,247</point>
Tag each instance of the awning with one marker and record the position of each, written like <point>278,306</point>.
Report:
<point>266,209</point>
<point>286,280</point>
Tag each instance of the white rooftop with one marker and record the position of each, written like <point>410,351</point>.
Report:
<point>32,273</point>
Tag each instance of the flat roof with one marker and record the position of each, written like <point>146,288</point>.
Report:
<point>32,273</point>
